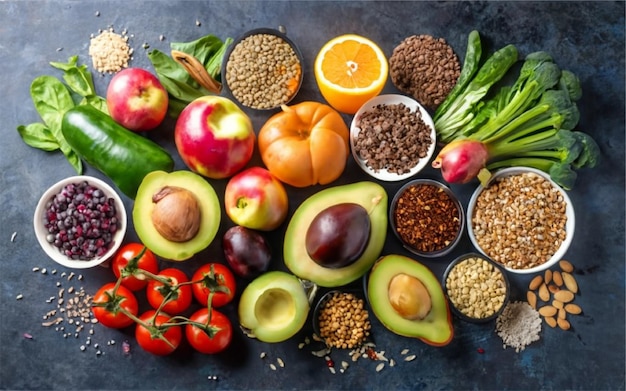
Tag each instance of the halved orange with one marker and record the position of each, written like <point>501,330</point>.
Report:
<point>350,70</point>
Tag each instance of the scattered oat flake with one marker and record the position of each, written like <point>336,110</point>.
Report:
<point>380,367</point>
<point>404,352</point>
<point>392,362</point>
<point>27,336</point>
<point>13,236</point>
<point>410,358</point>
<point>273,367</point>
<point>280,362</point>
<point>19,297</point>
<point>263,354</point>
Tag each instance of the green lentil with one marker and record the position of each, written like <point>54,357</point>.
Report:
<point>263,71</point>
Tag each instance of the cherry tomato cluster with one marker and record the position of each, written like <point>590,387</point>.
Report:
<point>170,293</point>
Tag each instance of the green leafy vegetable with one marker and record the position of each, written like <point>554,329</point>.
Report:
<point>52,98</point>
<point>459,109</point>
<point>530,123</point>
<point>182,88</point>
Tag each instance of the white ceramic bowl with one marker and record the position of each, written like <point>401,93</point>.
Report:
<point>569,212</point>
<point>41,232</point>
<point>390,99</point>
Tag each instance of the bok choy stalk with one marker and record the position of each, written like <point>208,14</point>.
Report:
<point>528,124</point>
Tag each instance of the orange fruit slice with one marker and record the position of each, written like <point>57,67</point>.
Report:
<point>350,70</point>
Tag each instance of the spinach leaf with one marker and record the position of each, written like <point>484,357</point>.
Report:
<point>80,81</point>
<point>39,136</point>
<point>52,99</point>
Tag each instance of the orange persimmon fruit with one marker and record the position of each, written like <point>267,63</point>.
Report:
<point>305,144</point>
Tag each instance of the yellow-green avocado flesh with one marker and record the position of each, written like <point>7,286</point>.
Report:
<point>435,328</point>
<point>274,306</point>
<point>369,195</point>
<point>209,210</point>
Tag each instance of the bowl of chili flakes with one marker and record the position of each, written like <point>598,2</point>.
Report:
<point>427,218</point>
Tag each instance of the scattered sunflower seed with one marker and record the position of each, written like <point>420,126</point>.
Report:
<point>404,352</point>
<point>272,367</point>
<point>280,362</point>
<point>19,297</point>
<point>410,358</point>
<point>263,354</point>
<point>380,367</point>
<point>35,269</point>
<point>13,235</point>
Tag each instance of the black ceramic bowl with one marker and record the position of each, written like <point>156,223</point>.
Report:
<point>322,302</point>
<point>477,273</point>
<point>455,216</point>
<point>227,58</point>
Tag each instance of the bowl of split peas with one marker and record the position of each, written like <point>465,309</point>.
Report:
<point>476,287</point>
<point>262,69</point>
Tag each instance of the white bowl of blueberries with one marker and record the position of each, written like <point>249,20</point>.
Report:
<point>80,222</point>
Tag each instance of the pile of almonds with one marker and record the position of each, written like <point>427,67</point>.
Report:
<point>552,295</point>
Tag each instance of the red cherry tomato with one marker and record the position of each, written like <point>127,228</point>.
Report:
<point>214,277</point>
<point>107,306</point>
<point>215,338</point>
<point>177,297</point>
<point>147,337</point>
<point>128,260</point>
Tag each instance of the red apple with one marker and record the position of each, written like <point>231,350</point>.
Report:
<point>255,199</point>
<point>136,99</point>
<point>214,137</point>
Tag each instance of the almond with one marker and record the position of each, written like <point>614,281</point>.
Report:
<point>544,294</point>
<point>557,304</point>
<point>566,266</point>
<point>547,311</point>
<point>547,276</point>
<point>535,283</point>
<point>553,288</point>
<point>550,321</point>
<point>570,282</point>
<point>562,314</point>
<point>557,278</point>
<point>531,298</point>
<point>564,296</point>
<point>573,309</point>
<point>563,324</point>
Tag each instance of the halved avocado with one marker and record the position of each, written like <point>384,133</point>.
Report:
<point>419,290</point>
<point>208,208</point>
<point>273,307</point>
<point>372,197</point>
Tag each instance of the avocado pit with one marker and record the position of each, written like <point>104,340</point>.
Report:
<point>176,215</point>
<point>338,235</point>
<point>409,297</point>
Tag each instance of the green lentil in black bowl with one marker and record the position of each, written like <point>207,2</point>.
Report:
<point>262,69</point>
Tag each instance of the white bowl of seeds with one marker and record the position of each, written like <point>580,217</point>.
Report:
<point>521,219</point>
<point>80,222</point>
<point>392,137</point>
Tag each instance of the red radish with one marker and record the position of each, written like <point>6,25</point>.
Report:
<point>461,160</point>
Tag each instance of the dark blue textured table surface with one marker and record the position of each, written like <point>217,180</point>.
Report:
<point>585,37</point>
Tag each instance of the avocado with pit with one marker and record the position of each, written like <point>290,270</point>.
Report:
<point>273,307</point>
<point>177,214</point>
<point>407,298</point>
<point>372,197</point>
